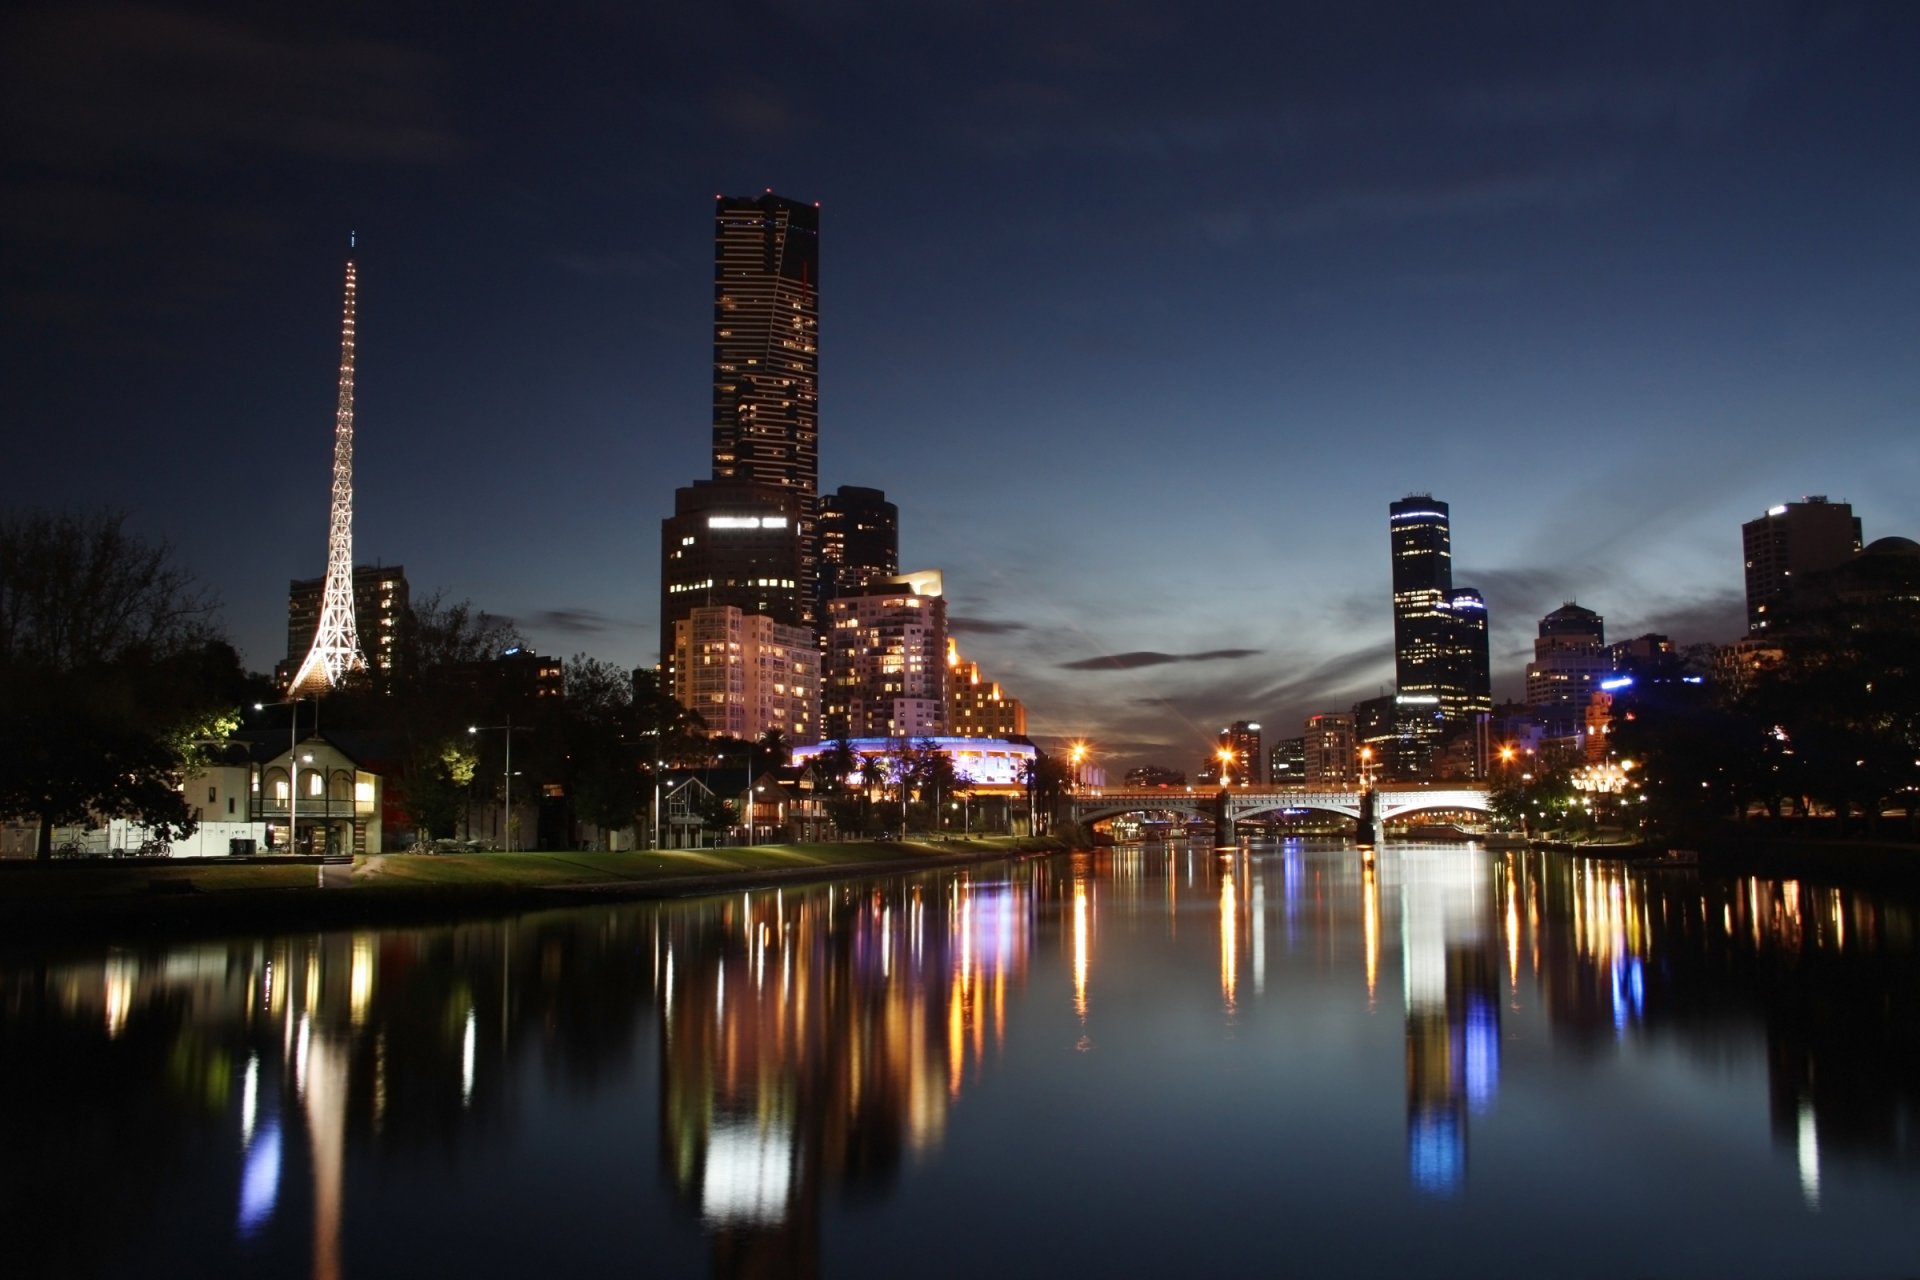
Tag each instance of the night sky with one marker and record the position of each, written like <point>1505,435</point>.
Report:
<point>1141,311</point>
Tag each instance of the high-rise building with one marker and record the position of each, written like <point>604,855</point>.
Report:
<point>1287,763</point>
<point>976,706</point>
<point>1439,630</point>
<point>380,601</point>
<point>1329,749</point>
<point>859,540</point>
<point>1570,658</point>
<point>746,674</point>
<point>766,352</point>
<point>1791,541</point>
<point>1242,739</point>
<point>732,545</point>
<point>886,672</point>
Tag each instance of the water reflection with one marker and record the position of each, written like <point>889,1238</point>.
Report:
<point>288,1104</point>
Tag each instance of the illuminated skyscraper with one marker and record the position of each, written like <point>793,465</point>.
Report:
<point>859,540</point>
<point>1439,631</point>
<point>886,669</point>
<point>1791,541</point>
<point>766,355</point>
<point>336,649</point>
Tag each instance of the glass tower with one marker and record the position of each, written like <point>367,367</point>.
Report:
<point>1439,630</point>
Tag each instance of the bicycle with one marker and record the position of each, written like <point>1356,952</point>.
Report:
<point>154,848</point>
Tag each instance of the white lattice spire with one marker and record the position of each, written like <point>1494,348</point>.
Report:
<point>336,649</point>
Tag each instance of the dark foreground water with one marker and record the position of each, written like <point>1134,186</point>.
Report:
<point>1138,1062</point>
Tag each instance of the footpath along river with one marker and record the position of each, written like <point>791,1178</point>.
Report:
<point>1147,1060</point>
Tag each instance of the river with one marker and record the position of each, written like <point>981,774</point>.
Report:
<point>1139,1061</point>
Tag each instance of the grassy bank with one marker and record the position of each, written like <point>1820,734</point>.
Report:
<point>129,899</point>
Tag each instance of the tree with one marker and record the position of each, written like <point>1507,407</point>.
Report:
<point>113,677</point>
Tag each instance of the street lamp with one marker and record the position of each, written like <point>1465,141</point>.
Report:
<point>1226,766</point>
<point>293,766</point>
<point>1076,753</point>
<point>506,733</point>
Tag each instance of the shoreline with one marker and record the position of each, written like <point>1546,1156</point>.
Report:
<point>128,903</point>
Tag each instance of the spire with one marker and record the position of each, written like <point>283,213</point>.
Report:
<point>336,650</point>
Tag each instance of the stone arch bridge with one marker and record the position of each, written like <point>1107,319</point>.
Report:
<point>1391,800</point>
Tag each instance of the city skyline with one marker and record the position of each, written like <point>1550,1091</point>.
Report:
<point>1138,326</point>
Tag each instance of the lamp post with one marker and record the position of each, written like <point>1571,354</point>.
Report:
<point>506,732</point>
<point>293,767</point>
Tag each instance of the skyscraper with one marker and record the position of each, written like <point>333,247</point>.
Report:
<point>886,670</point>
<point>766,353</point>
<point>1439,630</point>
<point>1791,541</point>
<point>1570,658</point>
<point>859,540</point>
<point>336,648</point>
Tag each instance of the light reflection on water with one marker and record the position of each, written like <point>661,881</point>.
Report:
<point>782,1081</point>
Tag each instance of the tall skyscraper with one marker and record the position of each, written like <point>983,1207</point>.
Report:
<point>1791,541</point>
<point>1439,630</point>
<point>766,353</point>
<point>729,543</point>
<point>336,647</point>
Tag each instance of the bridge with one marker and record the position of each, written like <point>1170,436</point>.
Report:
<point>1390,800</point>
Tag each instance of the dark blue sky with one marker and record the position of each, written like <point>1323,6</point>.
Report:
<point>1142,312</point>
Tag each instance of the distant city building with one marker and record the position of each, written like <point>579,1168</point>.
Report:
<point>1287,762</point>
<point>1153,775</point>
<point>1789,542</point>
<point>1736,666</point>
<point>380,602</point>
<point>1331,755</point>
<point>766,360</point>
<point>976,706</point>
<point>1401,729</point>
<point>746,674</point>
<point>1642,653</point>
<point>1242,738</point>
<point>1439,630</point>
<point>886,661</point>
<point>733,545</point>
<point>859,540</point>
<point>986,763</point>
<point>1570,658</point>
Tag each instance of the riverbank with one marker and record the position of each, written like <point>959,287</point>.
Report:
<point>131,900</point>
<point>1858,864</point>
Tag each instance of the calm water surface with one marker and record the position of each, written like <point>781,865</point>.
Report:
<point>1142,1061</point>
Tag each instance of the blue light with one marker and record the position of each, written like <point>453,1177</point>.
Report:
<point>260,1178</point>
<point>1618,682</point>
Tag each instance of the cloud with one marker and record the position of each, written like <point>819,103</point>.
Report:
<point>983,626</point>
<point>1149,658</point>
<point>575,622</point>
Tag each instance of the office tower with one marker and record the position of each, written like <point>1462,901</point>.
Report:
<point>1242,739</point>
<point>1401,729</point>
<point>732,544</point>
<point>1570,658</point>
<point>746,674</point>
<point>1287,764</point>
<point>859,534</point>
<point>1791,541</point>
<point>335,652</point>
<point>766,353</point>
<point>380,601</point>
<point>1468,666</point>
<point>1439,630</point>
<point>1328,748</point>
<point>887,660</point>
<point>976,706</point>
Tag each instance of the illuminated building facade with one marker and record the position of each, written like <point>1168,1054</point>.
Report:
<point>976,706</point>
<point>380,602</point>
<point>1439,630</point>
<point>1242,738</point>
<point>766,357</point>
<point>1791,541</point>
<point>1570,658</point>
<point>745,674</point>
<point>1329,748</point>
<point>1287,764</point>
<point>859,540</point>
<point>886,673</point>
<point>733,545</point>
